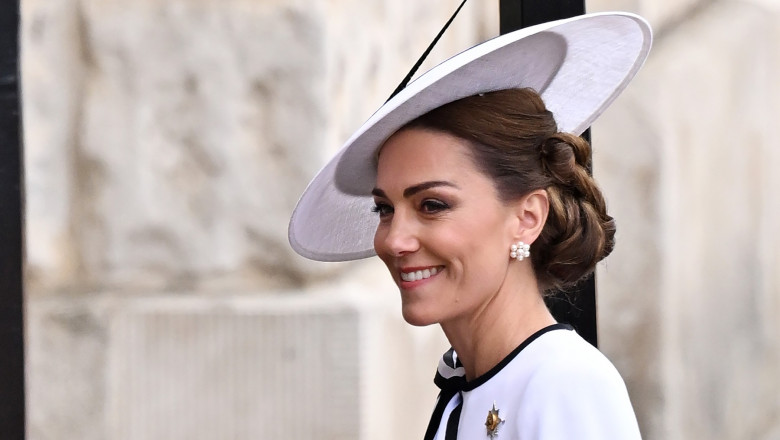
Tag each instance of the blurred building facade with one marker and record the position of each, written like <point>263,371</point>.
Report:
<point>168,140</point>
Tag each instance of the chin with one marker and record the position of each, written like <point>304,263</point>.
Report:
<point>418,318</point>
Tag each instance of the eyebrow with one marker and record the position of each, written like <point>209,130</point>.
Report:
<point>412,190</point>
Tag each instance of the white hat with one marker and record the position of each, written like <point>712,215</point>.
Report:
<point>578,65</point>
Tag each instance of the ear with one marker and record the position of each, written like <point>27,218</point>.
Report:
<point>530,212</point>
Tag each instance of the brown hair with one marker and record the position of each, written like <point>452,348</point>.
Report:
<point>514,139</point>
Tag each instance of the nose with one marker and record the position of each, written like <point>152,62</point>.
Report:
<point>397,237</point>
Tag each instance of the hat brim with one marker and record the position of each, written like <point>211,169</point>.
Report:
<point>578,66</point>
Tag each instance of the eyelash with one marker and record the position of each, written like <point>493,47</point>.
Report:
<point>379,208</point>
<point>427,206</point>
<point>434,206</point>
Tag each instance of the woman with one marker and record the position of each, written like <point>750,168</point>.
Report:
<point>482,203</point>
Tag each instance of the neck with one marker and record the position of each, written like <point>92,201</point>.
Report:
<point>500,326</point>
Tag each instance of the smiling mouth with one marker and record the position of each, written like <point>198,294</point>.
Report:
<point>421,274</point>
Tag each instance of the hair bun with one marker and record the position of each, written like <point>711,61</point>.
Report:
<point>579,233</point>
<point>566,158</point>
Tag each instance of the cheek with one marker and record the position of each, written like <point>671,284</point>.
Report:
<point>483,235</point>
<point>381,250</point>
<point>486,264</point>
<point>484,255</point>
<point>379,240</point>
<point>377,243</point>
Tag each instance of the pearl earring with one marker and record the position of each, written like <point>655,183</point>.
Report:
<point>520,251</point>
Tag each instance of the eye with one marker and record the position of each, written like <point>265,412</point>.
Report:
<point>432,206</point>
<point>383,209</point>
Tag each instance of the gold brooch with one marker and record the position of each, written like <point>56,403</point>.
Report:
<point>493,421</point>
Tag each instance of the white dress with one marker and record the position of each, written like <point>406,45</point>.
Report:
<point>554,386</point>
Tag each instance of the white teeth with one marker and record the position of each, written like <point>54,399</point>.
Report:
<point>419,275</point>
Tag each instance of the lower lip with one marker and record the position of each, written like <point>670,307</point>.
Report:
<point>413,284</point>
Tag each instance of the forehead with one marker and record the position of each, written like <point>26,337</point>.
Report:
<point>415,155</point>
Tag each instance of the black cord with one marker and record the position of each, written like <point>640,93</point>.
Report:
<point>425,54</point>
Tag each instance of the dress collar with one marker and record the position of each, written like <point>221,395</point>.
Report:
<point>451,375</point>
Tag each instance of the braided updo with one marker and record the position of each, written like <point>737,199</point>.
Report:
<point>514,140</point>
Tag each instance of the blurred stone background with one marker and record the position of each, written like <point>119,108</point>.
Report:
<point>168,140</point>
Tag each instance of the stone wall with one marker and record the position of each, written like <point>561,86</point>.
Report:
<point>687,158</point>
<point>167,142</point>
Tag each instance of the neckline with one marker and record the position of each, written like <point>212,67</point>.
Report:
<point>472,384</point>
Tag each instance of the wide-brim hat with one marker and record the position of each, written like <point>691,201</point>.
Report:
<point>577,65</point>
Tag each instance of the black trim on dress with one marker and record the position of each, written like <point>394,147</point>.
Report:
<point>453,422</point>
<point>470,385</point>
<point>438,412</point>
<point>451,386</point>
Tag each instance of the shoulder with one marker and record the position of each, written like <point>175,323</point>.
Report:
<point>574,391</point>
<point>564,358</point>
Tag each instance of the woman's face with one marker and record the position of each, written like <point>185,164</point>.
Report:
<point>443,232</point>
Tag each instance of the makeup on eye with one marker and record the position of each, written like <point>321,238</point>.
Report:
<point>381,208</point>
<point>426,206</point>
<point>427,197</point>
<point>433,206</point>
